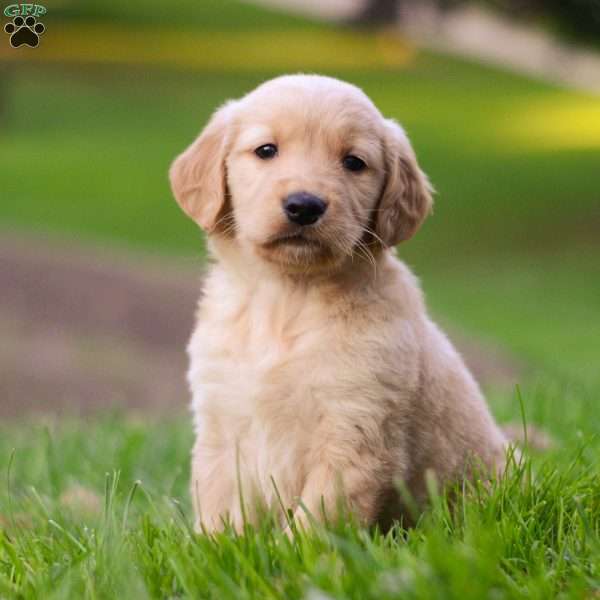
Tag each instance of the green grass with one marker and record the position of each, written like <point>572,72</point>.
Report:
<point>533,535</point>
<point>200,15</point>
<point>543,308</point>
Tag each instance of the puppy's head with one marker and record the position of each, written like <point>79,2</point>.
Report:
<point>305,173</point>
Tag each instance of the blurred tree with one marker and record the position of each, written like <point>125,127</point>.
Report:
<point>379,12</point>
<point>576,18</point>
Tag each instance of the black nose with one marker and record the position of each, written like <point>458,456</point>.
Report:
<point>303,208</point>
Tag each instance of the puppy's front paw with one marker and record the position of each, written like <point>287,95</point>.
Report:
<point>220,523</point>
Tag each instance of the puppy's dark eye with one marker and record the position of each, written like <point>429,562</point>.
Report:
<point>266,152</point>
<point>353,163</point>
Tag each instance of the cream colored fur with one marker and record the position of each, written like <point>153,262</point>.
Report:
<point>314,364</point>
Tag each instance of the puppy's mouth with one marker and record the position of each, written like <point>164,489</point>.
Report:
<point>296,239</point>
<point>298,248</point>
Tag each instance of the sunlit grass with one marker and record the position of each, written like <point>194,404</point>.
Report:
<point>560,123</point>
<point>213,51</point>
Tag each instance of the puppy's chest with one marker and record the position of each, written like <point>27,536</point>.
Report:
<point>270,383</point>
<point>240,366</point>
<point>254,388</point>
<point>293,364</point>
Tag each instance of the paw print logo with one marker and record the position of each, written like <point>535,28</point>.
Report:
<point>24,31</point>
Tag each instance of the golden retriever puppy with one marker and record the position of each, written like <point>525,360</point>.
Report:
<point>315,371</point>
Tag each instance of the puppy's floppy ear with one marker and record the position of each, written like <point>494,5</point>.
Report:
<point>407,195</point>
<point>198,176</point>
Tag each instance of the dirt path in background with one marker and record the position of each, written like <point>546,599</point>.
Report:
<point>84,330</point>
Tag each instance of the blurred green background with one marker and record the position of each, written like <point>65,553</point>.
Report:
<point>91,119</point>
<point>100,272</point>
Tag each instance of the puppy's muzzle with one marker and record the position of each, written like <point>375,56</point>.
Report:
<point>303,208</point>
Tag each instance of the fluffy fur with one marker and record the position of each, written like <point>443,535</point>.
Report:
<point>314,363</point>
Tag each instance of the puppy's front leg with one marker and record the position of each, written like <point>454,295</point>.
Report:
<point>215,491</point>
<point>329,489</point>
